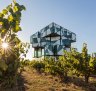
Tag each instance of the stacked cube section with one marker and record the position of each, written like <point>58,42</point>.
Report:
<point>52,41</point>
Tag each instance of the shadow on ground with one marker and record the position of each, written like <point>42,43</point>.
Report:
<point>19,86</point>
<point>91,86</point>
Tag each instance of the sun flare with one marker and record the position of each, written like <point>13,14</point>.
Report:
<point>5,45</point>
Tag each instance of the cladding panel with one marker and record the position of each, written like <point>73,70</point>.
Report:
<point>53,39</point>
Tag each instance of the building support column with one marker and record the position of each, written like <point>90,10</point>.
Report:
<point>34,52</point>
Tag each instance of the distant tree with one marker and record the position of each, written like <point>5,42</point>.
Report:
<point>50,66</point>
<point>65,65</point>
<point>83,63</point>
<point>78,63</point>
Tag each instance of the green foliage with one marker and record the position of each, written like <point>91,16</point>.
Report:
<point>10,57</point>
<point>83,63</point>
<point>38,65</point>
<point>65,63</point>
<point>50,66</point>
<point>23,63</point>
<point>10,18</point>
<point>72,63</point>
<point>3,67</point>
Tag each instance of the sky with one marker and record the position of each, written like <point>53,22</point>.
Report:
<point>78,16</point>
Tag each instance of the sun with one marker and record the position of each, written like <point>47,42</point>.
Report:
<point>4,45</point>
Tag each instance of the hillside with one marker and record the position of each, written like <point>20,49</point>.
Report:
<point>34,81</point>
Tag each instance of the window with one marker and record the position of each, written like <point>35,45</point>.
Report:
<point>35,40</point>
<point>37,52</point>
<point>55,49</point>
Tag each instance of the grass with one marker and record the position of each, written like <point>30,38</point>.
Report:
<point>33,81</point>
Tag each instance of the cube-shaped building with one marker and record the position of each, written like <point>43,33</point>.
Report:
<point>52,40</point>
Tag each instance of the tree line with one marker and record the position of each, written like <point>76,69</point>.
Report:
<point>72,63</point>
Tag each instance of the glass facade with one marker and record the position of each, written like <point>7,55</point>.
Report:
<point>52,40</point>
